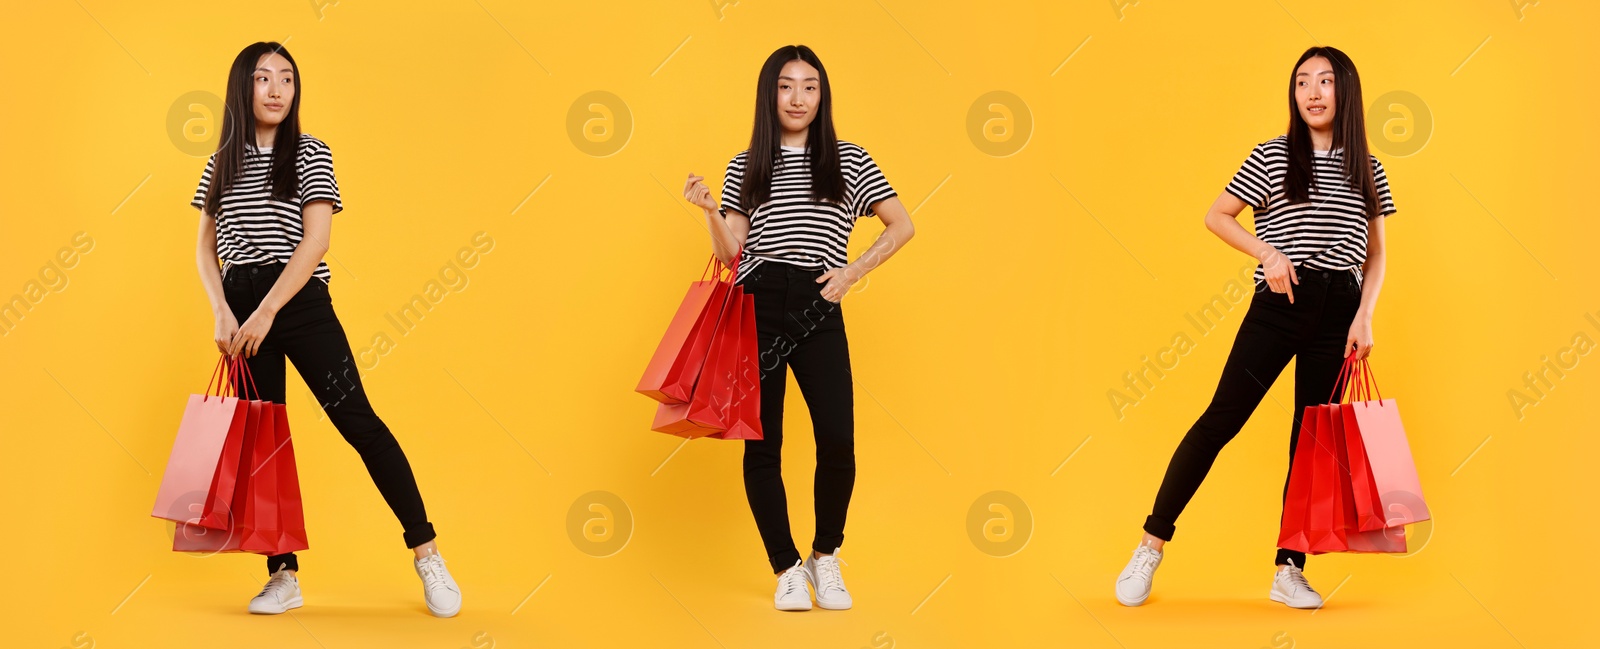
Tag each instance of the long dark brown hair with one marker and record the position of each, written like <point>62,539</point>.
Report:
<point>1349,133</point>
<point>822,144</point>
<point>239,128</point>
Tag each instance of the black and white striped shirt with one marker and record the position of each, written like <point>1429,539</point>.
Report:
<point>1327,233</point>
<point>252,227</point>
<point>793,228</point>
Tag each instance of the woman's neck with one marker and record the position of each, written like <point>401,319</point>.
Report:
<point>265,135</point>
<point>793,138</point>
<point>1322,140</point>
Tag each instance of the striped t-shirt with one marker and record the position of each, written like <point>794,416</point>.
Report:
<point>1327,233</point>
<point>794,228</point>
<point>253,227</point>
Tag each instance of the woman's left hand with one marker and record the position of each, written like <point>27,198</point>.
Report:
<point>1359,342</point>
<point>839,281</point>
<point>250,334</point>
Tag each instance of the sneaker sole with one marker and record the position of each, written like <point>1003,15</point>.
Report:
<point>793,607</point>
<point>1285,601</point>
<point>439,613</point>
<point>293,604</point>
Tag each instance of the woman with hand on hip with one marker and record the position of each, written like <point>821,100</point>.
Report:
<point>789,203</point>
<point>267,200</point>
<point>1319,200</point>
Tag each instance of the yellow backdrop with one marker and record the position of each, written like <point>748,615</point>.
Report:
<point>1058,158</point>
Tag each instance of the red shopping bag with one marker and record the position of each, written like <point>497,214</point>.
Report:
<point>1297,494</point>
<point>215,529</point>
<point>209,423</point>
<point>708,408</point>
<point>724,399</point>
<point>1325,525</point>
<point>264,511</point>
<point>1395,488</point>
<point>1321,500</point>
<point>291,511</point>
<point>257,521</point>
<point>670,376</point>
<point>744,413</point>
<point>1378,540</point>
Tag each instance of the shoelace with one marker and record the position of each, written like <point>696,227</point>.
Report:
<point>278,582</point>
<point>1146,566</point>
<point>1295,576</point>
<point>433,575</point>
<point>793,579</point>
<point>828,573</point>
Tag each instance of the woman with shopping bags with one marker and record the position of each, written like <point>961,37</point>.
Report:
<point>1319,199</point>
<point>789,203</point>
<point>267,200</point>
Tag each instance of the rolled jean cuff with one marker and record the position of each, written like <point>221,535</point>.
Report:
<point>784,561</point>
<point>283,561</point>
<point>419,535</point>
<point>1159,528</point>
<point>1285,556</point>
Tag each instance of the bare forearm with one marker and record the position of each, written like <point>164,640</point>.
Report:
<point>1232,233</point>
<point>891,240</point>
<point>1371,282</point>
<point>725,243</point>
<point>206,262</point>
<point>301,265</point>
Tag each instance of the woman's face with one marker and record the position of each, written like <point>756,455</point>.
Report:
<point>799,92</point>
<point>274,89</point>
<point>1314,93</point>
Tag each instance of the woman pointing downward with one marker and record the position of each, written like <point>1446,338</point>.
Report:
<point>1319,201</point>
<point>789,203</point>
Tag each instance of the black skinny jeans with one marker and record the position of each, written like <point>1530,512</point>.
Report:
<point>309,334</point>
<point>799,329</point>
<point>1313,330</point>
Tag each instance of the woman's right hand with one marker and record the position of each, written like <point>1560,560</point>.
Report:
<point>226,326</point>
<point>696,191</point>
<point>1279,271</point>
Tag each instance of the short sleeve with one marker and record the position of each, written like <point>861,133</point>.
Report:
<point>1252,184</point>
<point>867,185</point>
<point>317,182</point>
<point>1381,181</point>
<point>199,201</point>
<point>732,182</point>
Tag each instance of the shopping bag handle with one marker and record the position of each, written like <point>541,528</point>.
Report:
<point>243,374</point>
<point>714,266</point>
<point>221,387</point>
<point>1355,381</point>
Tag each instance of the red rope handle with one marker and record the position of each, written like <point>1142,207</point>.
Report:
<point>221,387</point>
<point>244,365</point>
<point>1341,383</point>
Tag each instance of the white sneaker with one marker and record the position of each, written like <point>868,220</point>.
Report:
<point>281,593</point>
<point>1133,585</point>
<point>791,594</point>
<point>823,573</point>
<point>1291,588</point>
<point>438,587</point>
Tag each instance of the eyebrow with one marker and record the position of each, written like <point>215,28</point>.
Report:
<point>272,70</point>
<point>1307,74</point>
<point>794,79</point>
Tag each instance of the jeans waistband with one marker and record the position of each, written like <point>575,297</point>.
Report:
<point>1304,273</point>
<point>251,269</point>
<point>785,269</point>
